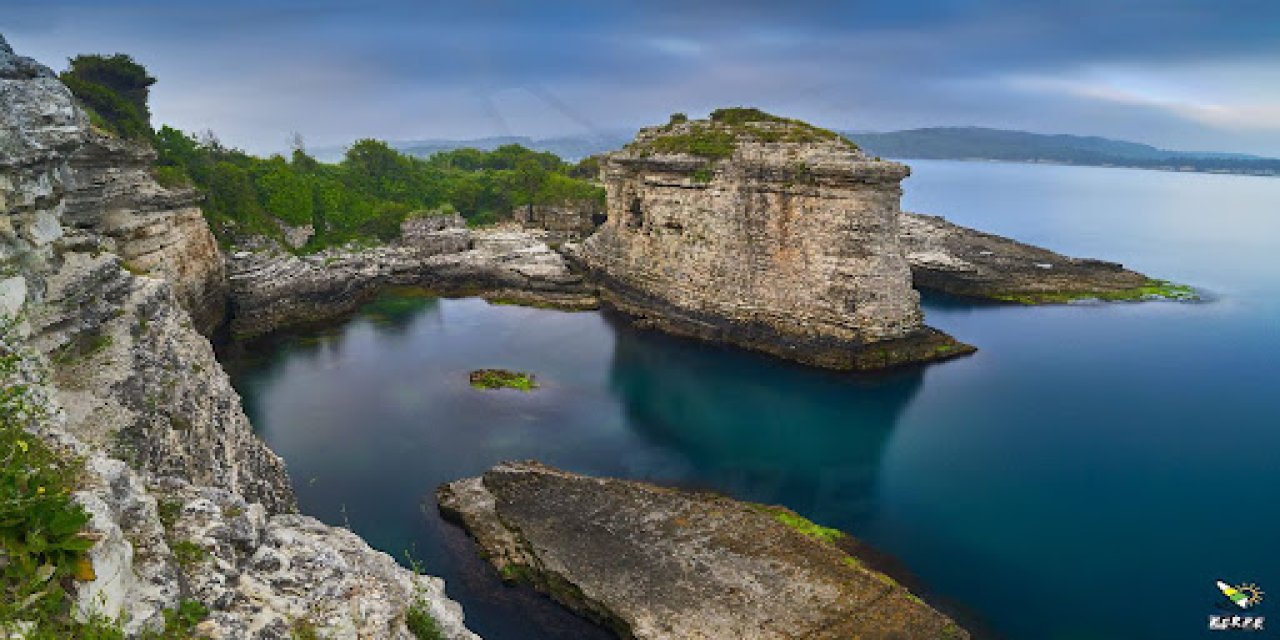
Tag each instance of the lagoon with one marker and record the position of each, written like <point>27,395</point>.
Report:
<point>1089,473</point>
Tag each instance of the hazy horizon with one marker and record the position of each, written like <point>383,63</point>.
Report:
<point>1176,74</point>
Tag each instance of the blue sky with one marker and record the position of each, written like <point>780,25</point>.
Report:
<point>1192,75</point>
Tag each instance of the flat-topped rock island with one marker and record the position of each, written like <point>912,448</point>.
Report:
<point>766,233</point>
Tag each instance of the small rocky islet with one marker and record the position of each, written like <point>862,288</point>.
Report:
<point>743,228</point>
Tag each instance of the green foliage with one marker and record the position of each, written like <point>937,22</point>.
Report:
<point>1150,290</point>
<point>718,136</point>
<point>737,116</point>
<point>370,193</point>
<point>41,530</point>
<point>113,89</point>
<point>801,524</point>
<point>502,379</point>
<point>303,629</point>
<point>420,622</point>
<point>678,118</point>
<point>180,623</point>
<point>188,554</point>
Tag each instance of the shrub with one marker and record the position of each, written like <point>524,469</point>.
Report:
<point>41,529</point>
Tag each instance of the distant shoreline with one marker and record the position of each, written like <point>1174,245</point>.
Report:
<point>1063,163</point>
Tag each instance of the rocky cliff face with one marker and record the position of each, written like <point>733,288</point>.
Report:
<point>652,562</point>
<point>562,223</point>
<point>156,231</point>
<point>787,243</point>
<point>131,386</point>
<point>271,288</point>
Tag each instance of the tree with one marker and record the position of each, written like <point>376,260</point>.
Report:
<point>115,90</point>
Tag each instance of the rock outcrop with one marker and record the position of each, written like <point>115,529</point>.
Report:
<point>765,233</point>
<point>272,288</point>
<point>155,230</point>
<point>652,562</point>
<point>571,221</point>
<point>125,382</point>
<point>966,262</point>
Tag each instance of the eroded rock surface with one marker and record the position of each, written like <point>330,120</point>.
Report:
<point>272,288</point>
<point>155,230</point>
<point>961,261</point>
<point>185,501</point>
<point>788,244</point>
<point>652,562</point>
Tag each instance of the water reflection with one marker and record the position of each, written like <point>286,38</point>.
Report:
<point>762,429</point>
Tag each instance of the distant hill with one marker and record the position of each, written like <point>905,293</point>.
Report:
<point>569,148</point>
<point>933,143</point>
<point>976,143</point>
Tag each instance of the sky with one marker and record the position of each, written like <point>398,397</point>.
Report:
<point>1180,74</point>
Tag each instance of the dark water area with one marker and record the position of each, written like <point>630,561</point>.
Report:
<point>1089,473</point>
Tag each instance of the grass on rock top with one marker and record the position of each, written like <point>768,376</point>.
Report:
<point>718,136</point>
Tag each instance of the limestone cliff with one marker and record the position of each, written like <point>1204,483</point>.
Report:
<point>155,230</point>
<point>766,233</point>
<point>130,386</point>
<point>652,562</point>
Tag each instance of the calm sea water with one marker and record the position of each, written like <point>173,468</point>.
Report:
<point>1088,474</point>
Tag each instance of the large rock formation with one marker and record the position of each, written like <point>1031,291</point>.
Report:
<point>966,262</point>
<point>272,288</point>
<point>765,233</point>
<point>124,381</point>
<point>653,562</point>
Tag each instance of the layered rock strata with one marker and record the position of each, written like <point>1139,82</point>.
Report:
<point>786,244</point>
<point>652,562</point>
<point>155,230</point>
<point>567,222</point>
<point>966,262</point>
<point>122,379</point>
<point>272,288</point>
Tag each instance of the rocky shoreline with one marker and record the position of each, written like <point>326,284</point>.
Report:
<point>651,562</point>
<point>108,280</point>
<point>272,288</point>
<point>960,261</point>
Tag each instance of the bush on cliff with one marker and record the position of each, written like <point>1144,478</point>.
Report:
<point>365,196</point>
<point>113,90</point>
<point>369,193</point>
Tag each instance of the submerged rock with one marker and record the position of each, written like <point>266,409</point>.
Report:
<point>766,233</point>
<point>653,562</point>
<point>960,261</point>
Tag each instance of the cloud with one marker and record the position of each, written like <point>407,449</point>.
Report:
<point>256,70</point>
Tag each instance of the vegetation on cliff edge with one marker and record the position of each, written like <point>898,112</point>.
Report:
<point>717,137</point>
<point>366,196</point>
<point>43,537</point>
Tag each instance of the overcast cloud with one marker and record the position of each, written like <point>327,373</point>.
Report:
<point>1191,75</point>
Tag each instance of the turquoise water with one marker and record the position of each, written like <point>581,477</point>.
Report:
<point>1088,474</point>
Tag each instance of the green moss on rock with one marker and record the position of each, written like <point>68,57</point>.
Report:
<point>716,137</point>
<point>1150,290</point>
<point>502,379</point>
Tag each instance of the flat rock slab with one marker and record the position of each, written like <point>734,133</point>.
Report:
<point>654,562</point>
<point>961,261</point>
